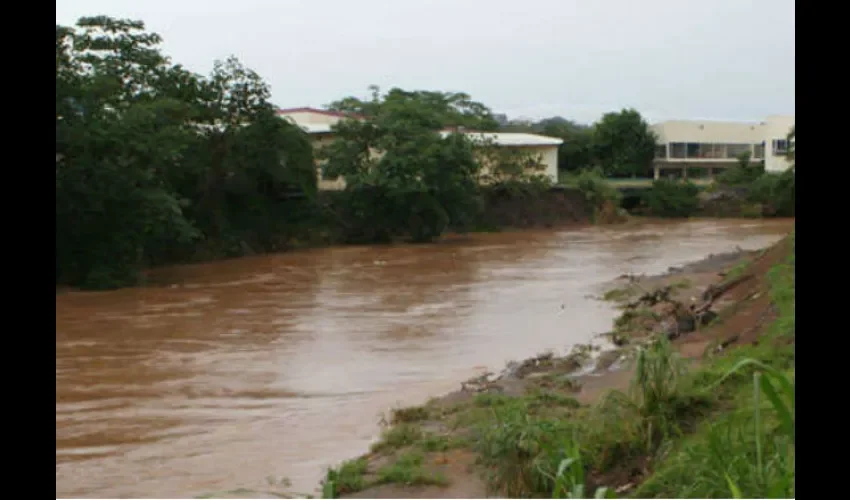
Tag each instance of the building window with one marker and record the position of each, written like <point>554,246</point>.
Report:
<point>692,150</point>
<point>711,151</point>
<point>736,150</point>
<point>677,150</point>
<point>780,146</point>
<point>758,150</point>
<point>661,151</point>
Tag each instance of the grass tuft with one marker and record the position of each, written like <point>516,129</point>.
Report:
<point>348,478</point>
<point>408,470</point>
<point>398,436</point>
<point>412,414</point>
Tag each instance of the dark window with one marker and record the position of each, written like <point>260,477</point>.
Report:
<point>677,150</point>
<point>692,150</point>
<point>736,150</point>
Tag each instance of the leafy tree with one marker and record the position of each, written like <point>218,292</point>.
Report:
<point>114,138</point>
<point>402,175</point>
<point>623,144</point>
<point>448,109</point>
<point>511,169</point>
<point>152,160</point>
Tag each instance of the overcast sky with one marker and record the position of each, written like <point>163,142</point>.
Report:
<point>709,59</point>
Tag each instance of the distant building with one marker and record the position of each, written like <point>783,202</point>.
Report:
<point>699,147</point>
<point>318,123</point>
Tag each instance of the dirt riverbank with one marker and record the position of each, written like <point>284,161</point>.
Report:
<point>433,451</point>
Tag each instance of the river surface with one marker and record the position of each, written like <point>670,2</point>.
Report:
<point>228,373</point>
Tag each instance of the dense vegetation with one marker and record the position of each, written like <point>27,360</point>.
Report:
<point>409,173</point>
<point>154,162</point>
<point>620,144</point>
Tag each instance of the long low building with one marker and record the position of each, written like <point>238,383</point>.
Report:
<point>700,148</point>
<point>319,124</point>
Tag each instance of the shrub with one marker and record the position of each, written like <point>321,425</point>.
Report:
<point>408,470</point>
<point>398,436</point>
<point>604,198</point>
<point>523,450</point>
<point>776,191</point>
<point>743,174</point>
<point>669,198</point>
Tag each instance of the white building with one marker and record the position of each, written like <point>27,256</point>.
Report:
<point>318,123</point>
<point>703,147</point>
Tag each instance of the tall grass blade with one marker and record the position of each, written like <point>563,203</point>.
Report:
<point>562,467</point>
<point>604,492</point>
<point>736,492</point>
<point>786,417</point>
<point>758,436</point>
<point>328,490</point>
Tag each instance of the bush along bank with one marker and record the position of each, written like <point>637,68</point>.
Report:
<point>697,400</point>
<point>742,191</point>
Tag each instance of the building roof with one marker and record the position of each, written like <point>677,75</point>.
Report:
<point>511,138</point>
<point>498,138</point>
<point>315,128</point>
<point>317,111</point>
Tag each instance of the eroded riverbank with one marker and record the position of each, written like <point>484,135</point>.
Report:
<point>281,366</point>
<point>491,436</point>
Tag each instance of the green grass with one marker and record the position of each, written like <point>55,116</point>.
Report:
<point>550,400</point>
<point>408,470</point>
<point>437,443</point>
<point>398,436</point>
<point>521,450</point>
<point>412,414</point>
<point>748,450</point>
<point>619,294</point>
<point>682,284</point>
<point>348,478</point>
<point>738,270</point>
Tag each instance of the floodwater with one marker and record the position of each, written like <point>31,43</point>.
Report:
<point>278,366</point>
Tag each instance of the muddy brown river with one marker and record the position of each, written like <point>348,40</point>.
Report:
<point>228,373</point>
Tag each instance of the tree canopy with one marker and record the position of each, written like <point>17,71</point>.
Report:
<point>445,109</point>
<point>623,144</point>
<point>151,157</point>
<point>403,176</point>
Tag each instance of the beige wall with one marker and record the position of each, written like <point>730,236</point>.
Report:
<point>776,127</point>
<point>720,133</point>
<point>547,155</point>
<point>708,131</point>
